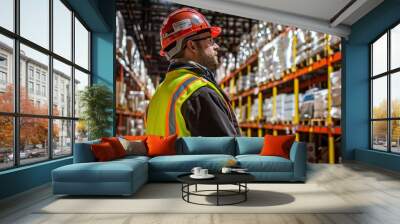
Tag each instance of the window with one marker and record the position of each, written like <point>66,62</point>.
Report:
<point>3,61</point>
<point>3,78</point>
<point>62,29</point>
<point>44,91</point>
<point>30,87</point>
<point>30,72</point>
<point>81,45</point>
<point>37,74</point>
<point>38,89</point>
<point>34,21</point>
<point>41,83</point>
<point>62,74</point>
<point>7,14</point>
<point>385,96</point>
<point>43,77</point>
<point>6,71</point>
<point>3,72</point>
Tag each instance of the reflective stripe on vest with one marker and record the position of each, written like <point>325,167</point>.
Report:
<point>171,122</point>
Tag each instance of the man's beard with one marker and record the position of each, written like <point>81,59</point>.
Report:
<point>211,62</point>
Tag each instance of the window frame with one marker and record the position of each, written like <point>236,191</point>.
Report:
<point>388,74</point>
<point>16,114</point>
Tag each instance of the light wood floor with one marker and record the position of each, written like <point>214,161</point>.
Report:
<point>377,188</point>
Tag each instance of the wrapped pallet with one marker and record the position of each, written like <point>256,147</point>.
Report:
<point>280,106</point>
<point>318,42</point>
<point>336,90</point>
<point>254,110</point>
<point>119,27</point>
<point>267,109</point>
<point>301,47</point>
<point>288,107</point>
<point>321,103</point>
<point>307,104</point>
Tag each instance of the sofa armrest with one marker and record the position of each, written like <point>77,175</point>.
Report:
<point>83,152</point>
<point>298,155</point>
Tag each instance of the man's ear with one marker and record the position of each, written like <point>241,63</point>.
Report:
<point>190,44</point>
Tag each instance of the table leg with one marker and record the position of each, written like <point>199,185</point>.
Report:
<point>245,193</point>
<point>188,189</point>
<point>196,188</point>
<point>217,194</point>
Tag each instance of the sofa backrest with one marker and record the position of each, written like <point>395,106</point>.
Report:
<point>83,153</point>
<point>249,145</point>
<point>206,145</point>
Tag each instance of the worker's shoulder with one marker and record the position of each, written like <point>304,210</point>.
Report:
<point>205,92</point>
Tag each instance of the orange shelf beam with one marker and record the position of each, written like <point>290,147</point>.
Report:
<point>299,128</point>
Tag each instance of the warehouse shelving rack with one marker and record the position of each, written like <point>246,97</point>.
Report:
<point>318,69</point>
<point>127,76</point>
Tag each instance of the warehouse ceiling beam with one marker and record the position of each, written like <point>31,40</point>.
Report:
<point>346,11</point>
<point>269,15</point>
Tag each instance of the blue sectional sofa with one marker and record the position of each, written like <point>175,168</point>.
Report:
<point>125,176</point>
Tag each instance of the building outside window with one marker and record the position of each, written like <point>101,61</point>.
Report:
<point>34,56</point>
<point>385,95</point>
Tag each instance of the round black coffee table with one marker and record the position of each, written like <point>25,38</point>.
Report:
<point>238,179</point>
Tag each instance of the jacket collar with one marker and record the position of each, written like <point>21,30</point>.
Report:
<point>195,67</point>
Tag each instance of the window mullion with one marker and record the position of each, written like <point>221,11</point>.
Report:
<point>16,84</point>
<point>73,82</point>
<point>389,106</point>
<point>50,81</point>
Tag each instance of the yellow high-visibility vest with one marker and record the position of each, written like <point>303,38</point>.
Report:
<point>164,115</point>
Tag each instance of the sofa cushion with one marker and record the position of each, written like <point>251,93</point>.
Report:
<point>161,146</point>
<point>111,171</point>
<point>206,145</point>
<point>83,152</point>
<point>103,152</point>
<point>116,145</point>
<point>136,147</point>
<point>257,163</point>
<point>249,145</point>
<point>185,163</point>
<point>277,145</point>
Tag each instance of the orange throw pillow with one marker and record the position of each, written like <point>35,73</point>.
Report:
<point>135,137</point>
<point>103,152</point>
<point>116,145</point>
<point>277,145</point>
<point>161,146</point>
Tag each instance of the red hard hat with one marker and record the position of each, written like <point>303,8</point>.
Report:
<point>180,24</point>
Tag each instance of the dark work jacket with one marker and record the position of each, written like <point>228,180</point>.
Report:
<point>205,112</point>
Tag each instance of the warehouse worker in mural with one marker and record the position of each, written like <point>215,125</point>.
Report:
<point>189,101</point>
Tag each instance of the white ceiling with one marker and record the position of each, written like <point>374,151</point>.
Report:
<point>317,15</point>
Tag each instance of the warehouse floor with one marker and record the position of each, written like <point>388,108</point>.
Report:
<point>350,181</point>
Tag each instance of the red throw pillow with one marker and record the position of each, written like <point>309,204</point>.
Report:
<point>135,137</point>
<point>116,145</point>
<point>161,146</point>
<point>103,152</point>
<point>277,145</point>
